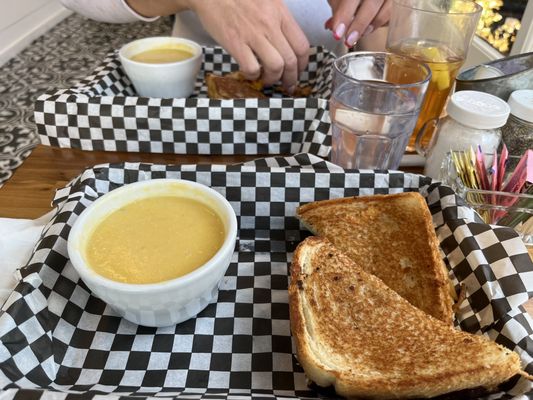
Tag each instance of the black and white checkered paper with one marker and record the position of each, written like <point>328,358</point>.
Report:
<point>57,338</point>
<point>103,112</point>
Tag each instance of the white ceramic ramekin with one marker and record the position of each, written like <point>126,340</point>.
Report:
<point>156,304</point>
<point>165,80</point>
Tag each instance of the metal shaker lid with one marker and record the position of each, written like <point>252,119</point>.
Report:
<point>521,103</point>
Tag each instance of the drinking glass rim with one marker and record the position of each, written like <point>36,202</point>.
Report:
<point>499,193</point>
<point>477,8</point>
<point>378,84</point>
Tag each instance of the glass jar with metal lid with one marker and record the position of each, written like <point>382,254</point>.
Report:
<point>517,134</point>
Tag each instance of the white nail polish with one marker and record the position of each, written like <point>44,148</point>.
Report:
<point>339,31</point>
<point>352,38</point>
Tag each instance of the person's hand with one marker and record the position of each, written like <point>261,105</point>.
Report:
<point>353,19</point>
<point>262,36</point>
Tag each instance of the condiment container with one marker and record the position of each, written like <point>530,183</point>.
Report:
<point>517,134</point>
<point>473,119</point>
<point>517,74</point>
<point>162,80</point>
<point>164,303</point>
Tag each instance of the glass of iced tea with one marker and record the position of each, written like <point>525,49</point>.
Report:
<point>438,33</point>
<point>374,107</point>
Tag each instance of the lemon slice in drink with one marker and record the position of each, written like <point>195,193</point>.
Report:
<point>430,53</point>
<point>433,55</point>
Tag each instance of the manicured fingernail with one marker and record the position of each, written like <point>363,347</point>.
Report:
<point>327,24</point>
<point>369,29</point>
<point>352,39</point>
<point>339,31</point>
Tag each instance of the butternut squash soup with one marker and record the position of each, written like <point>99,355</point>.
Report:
<point>154,239</point>
<point>162,55</point>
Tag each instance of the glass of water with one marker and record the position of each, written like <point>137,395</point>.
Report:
<point>374,108</point>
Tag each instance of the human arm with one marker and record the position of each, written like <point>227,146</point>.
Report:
<point>155,8</point>
<point>113,11</point>
<point>262,36</point>
<point>353,19</point>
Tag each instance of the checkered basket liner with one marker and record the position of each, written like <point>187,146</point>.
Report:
<point>57,340</point>
<point>103,112</point>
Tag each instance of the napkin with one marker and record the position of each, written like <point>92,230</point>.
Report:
<point>17,240</point>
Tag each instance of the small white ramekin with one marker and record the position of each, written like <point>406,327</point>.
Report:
<point>165,80</point>
<point>164,303</point>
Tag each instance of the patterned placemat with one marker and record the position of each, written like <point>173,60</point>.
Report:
<point>55,335</point>
<point>58,59</point>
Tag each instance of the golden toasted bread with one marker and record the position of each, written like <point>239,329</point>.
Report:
<point>392,237</point>
<point>355,333</point>
<point>256,84</point>
<point>233,86</point>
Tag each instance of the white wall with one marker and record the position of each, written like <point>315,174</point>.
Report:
<point>22,21</point>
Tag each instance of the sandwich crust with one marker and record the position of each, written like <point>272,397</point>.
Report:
<point>354,332</point>
<point>392,237</point>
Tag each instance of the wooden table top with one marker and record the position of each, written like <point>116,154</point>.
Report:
<point>30,190</point>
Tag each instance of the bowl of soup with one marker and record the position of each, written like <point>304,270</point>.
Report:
<point>162,67</point>
<point>155,250</point>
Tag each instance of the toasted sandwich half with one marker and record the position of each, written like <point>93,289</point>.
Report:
<point>233,86</point>
<point>355,333</point>
<point>392,237</point>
